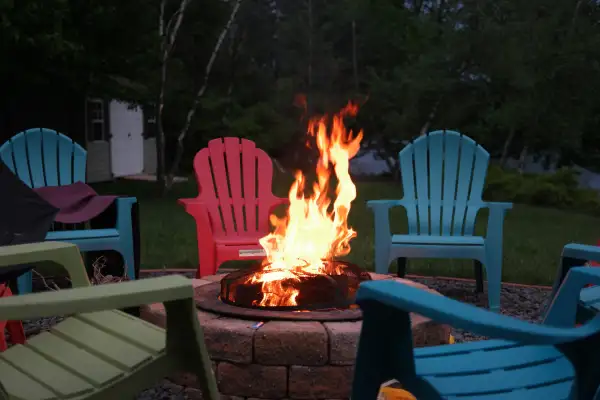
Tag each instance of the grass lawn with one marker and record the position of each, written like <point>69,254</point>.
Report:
<point>533,237</point>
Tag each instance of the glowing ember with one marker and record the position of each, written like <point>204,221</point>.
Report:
<point>311,232</point>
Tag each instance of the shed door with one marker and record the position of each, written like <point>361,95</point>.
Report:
<point>126,141</point>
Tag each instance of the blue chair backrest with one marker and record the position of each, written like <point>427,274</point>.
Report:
<point>43,157</point>
<point>441,172</point>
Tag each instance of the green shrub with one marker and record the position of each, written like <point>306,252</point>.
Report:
<point>558,190</point>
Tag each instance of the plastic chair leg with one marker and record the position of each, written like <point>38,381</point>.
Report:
<point>4,292</point>
<point>17,333</point>
<point>207,263</point>
<point>494,278</point>
<point>129,261</point>
<point>478,270</point>
<point>15,328</point>
<point>3,345</point>
<point>401,265</point>
<point>382,258</point>
<point>24,283</point>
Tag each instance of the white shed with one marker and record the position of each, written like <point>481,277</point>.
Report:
<point>120,140</point>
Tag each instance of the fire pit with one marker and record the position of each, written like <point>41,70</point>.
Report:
<point>284,354</point>
<point>288,328</point>
<point>321,298</point>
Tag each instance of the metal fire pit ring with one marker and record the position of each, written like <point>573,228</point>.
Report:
<point>207,299</point>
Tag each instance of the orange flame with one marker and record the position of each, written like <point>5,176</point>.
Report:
<point>310,233</point>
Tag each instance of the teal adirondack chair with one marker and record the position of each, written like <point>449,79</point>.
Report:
<point>98,352</point>
<point>576,255</point>
<point>43,157</point>
<point>522,361</point>
<point>443,174</point>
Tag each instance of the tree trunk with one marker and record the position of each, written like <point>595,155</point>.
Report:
<point>310,44</point>
<point>522,158</point>
<point>168,35</point>
<point>430,117</point>
<point>394,167</point>
<point>354,56</point>
<point>160,139</point>
<point>392,164</point>
<point>309,67</point>
<point>574,18</point>
<point>160,133</point>
<point>192,111</point>
<point>506,147</point>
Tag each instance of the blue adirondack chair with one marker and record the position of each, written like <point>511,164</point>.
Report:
<point>576,255</point>
<point>443,174</point>
<point>43,157</point>
<point>553,360</point>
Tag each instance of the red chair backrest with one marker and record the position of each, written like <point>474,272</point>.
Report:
<point>235,183</point>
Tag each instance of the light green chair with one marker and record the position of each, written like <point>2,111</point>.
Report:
<point>98,352</point>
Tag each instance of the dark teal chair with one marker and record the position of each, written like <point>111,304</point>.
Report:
<point>43,157</point>
<point>577,255</point>
<point>522,360</point>
<point>443,176</point>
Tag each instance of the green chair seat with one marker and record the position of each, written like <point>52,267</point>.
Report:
<point>80,355</point>
<point>98,352</point>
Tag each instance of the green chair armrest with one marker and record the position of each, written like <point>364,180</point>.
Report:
<point>64,254</point>
<point>96,298</point>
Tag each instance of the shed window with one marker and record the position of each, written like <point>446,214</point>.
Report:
<point>96,120</point>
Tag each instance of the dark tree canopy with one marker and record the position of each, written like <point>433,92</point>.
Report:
<point>516,75</point>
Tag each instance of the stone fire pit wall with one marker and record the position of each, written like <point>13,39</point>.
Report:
<point>286,359</point>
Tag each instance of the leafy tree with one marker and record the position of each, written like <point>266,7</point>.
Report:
<point>519,77</point>
<point>77,46</point>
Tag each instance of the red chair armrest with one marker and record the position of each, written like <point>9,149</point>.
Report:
<point>278,201</point>
<point>197,209</point>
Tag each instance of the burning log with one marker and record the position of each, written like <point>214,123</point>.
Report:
<point>315,292</point>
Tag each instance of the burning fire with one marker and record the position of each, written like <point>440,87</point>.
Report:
<point>311,232</point>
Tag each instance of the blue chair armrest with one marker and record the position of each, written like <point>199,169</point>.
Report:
<point>405,298</point>
<point>562,311</point>
<point>583,252</point>
<point>381,215</point>
<point>124,205</point>
<point>127,200</point>
<point>495,225</point>
<point>574,255</point>
<point>383,204</point>
<point>497,206</point>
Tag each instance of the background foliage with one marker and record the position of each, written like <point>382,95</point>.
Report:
<point>517,76</point>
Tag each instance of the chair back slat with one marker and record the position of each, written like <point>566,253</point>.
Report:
<point>43,157</point>
<point>235,182</point>
<point>233,158</point>
<point>436,173</point>
<point>35,158</point>
<point>442,172</point>
<point>451,153</point>
<point>408,185</point>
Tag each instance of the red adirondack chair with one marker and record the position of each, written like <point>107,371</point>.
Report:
<point>231,219</point>
<point>594,263</point>
<point>15,328</point>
